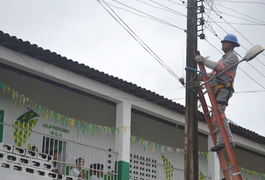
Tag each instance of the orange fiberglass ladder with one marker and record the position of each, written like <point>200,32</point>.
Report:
<point>236,174</point>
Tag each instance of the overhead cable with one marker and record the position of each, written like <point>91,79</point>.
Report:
<point>164,7</point>
<point>240,13</point>
<point>246,2</point>
<point>146,15</point>
<point>129,30</point>
<point>241,35</point>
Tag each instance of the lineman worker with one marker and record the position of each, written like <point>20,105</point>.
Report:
<point>223,84</point>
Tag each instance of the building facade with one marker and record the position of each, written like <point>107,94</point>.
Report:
<point>68,111</point>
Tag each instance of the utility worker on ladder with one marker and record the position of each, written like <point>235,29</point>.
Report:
<point>223,84</point>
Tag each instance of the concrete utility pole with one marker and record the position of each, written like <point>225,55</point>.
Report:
<point>191,122</point>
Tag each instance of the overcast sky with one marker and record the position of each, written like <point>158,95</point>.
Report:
<point>82,30</point>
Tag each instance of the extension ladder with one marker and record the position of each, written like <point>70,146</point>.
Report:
<point>236,175</point>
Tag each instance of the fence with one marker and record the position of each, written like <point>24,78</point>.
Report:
<point>56,155</point>
<point>50,153</point>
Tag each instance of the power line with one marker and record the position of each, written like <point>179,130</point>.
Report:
<point>168,8</point>
<point>124,25</point>
<point>239,33</point>
<point>251,77</point>
<point>239,67</point>
<point>236,92</point>
<point>131,33</point>
<point>260,22</point>
<point>164,7</point>
<point>237,23</point>
<point>212,45</point>
<point>245,2</point>
<point>152,17</point>
<point>240,13</point>
<point>152,53</point>
<point>210,12</point>
<point>129,30</point>
<point>254,91</point>
<point>260,143</point>
<point>146,15</point>
<point>183,3</point>
<point>237,17</point>
<point>237,53</point>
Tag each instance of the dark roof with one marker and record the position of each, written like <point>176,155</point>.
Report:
<point>32,50</point>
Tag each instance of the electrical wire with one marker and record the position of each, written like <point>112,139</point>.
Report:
<point>256,139</point>
<point>246,2</point>
<point>243,24</point>
<point>251,78</point>
<point>164,7</point>
<point>249,133</point>
<point>254,91</point>
<point>255,23</point>
<point>239,67</point>
<point>261,23</point>
<point>168,8</point>
<point>146,15</point>
<point>241,13</point>
<point>183,58</point>
<point>183,3</point>
<point>210,28</point>
<point>210,12</point>
<point>152,17</point>
<point>240,34</point>
<point>221,12</point>
<point>246,49</point>
<point>237,17</point>
<point>206,40</point>
<point>129,30</point>
<point>213,46</point>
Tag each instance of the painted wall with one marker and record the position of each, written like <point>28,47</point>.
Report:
<point>75,136</point>
<point>93,111</point>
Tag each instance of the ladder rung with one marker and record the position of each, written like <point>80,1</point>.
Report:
<point>230,168</point>
<point>230,171</point>
<point>209,112</point>
<point>237,173</point>
<point>203,93</point>
<point>216,130</point>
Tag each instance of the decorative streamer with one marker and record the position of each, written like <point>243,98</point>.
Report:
<point>50,114</point>
<point>17,97</point>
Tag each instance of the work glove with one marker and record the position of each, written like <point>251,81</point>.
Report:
<point>208,63</point>
<point>200,59</point>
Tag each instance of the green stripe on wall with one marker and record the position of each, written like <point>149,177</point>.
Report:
<point>1,125</point>
<point>123,170</point>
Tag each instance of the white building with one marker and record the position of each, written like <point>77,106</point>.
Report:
<point>63,107</point>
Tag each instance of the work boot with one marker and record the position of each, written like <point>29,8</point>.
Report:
<point>221,146</point>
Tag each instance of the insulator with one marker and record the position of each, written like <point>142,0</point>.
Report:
<point>202,21</point>
<point>202,9</point>
<point>202,36</point>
